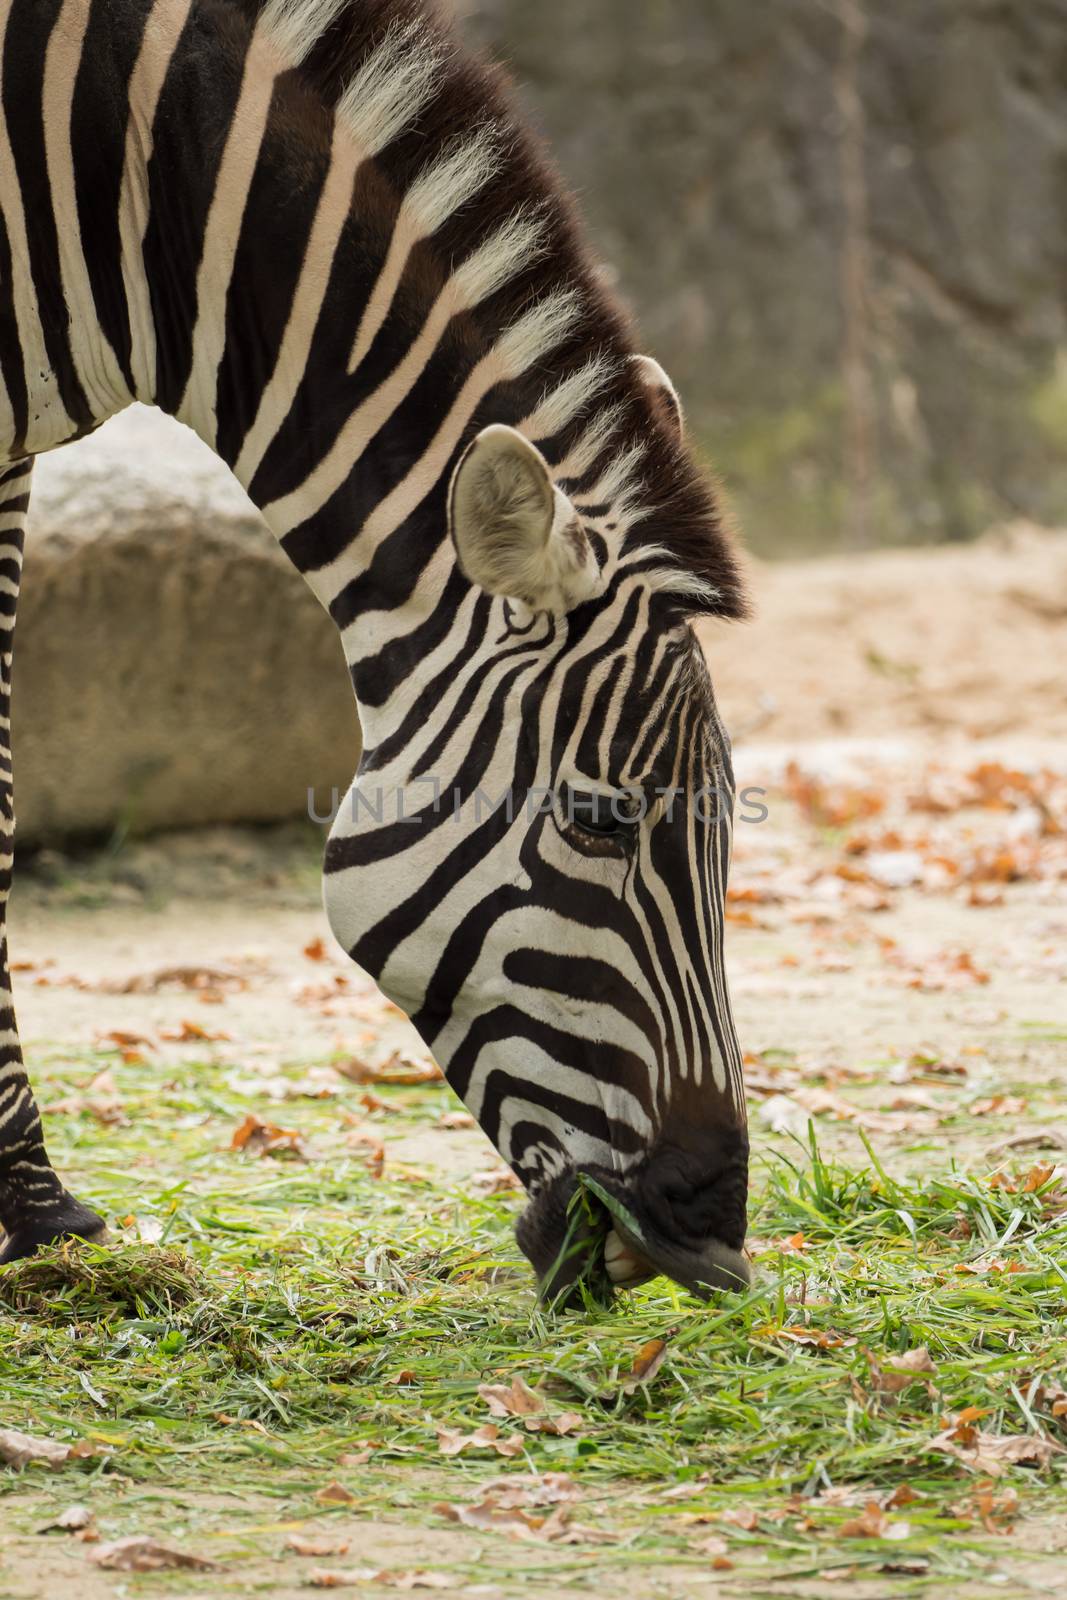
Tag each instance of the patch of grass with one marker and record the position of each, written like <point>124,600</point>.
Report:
<point>296,1314</point>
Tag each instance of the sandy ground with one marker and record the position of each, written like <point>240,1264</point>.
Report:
<point>898,938</point>
<point>944,643</point>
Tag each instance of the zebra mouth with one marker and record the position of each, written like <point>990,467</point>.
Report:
<point>618,1242</point>
<point>715,1266</point>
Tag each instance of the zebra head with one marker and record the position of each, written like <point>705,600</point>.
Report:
<point>532,862</point>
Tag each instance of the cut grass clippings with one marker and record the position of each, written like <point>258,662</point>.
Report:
<point>302,1325</point>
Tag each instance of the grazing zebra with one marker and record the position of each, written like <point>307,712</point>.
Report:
<point>316,232</point>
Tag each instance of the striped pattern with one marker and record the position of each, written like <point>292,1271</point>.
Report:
<point>315,231</point>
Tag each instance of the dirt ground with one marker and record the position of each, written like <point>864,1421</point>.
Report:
<point>946,643</point>
<point>897,948</point>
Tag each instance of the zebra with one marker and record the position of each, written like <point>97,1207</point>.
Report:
<point>319,233</point>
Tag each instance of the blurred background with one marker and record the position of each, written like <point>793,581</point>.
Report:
<point>843,229</point>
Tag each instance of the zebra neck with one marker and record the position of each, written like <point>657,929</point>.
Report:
<point>331,355</point>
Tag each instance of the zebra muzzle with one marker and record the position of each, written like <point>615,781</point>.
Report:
<point>714,1265</point>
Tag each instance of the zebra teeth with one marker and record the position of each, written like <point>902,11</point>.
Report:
<point>624,1265</point>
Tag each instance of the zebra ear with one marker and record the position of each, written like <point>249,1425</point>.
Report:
<point>653,377</point>
<point>515,533</point>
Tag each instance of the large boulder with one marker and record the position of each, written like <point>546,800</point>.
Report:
<point>171,666</point>
<point>849,245</point>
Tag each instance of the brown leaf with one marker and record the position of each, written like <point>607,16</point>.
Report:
<point>498,1180</point>
<point>716,1551</point>
<point>998,1105</point>
<point>901,1371</point>
<point>316,1547</point>
<point>490,1515</point>
<point>241,1422</point>
<point>335,1494</point>
<point>872,1523</point>
<point>138,1553</point>
<point>363,1139</point>
<point>24,1450</point>
<point>451,1442</point>
<point>818,1339</point>
<point>455,1120</point>
<point>258,1138</point>
<point>75,1519</point>
<point>741,1517</point>
<point>566,1422</point>
<point>190,1032</point>
<point>397,1069</point>
<point>516,1400</point>
<point>415,1579</point>
<point>903,1495</point>
<point>542,1489</point>
<point>647,1362</point>
<point>991,1454</point>
<point>996,1512</point>
<point>122,1039</point>
<point>316,950</point>
<point>200,979</point>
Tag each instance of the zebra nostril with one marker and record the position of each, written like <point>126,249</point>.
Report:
<point>625,1266</point>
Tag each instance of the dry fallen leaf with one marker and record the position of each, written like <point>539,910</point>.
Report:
<point>416,1579</point>
<point>817,1339</point>
<point>454,1120</point>
<point>498,1180</point>
<point>741,1517</point>
<point>258,1138</point>
<point>199,979</point>
<point>517,1400</point>
<point>646,1363</point>
<point>241,1422</point>
<point>989,1453</point>
<point>335,1494</point>
<point>996,1512</point>
<point>397,1069</point>
<point>316,950</point>
<point>900,1371</point>
<point>75,1519</point>
<point>24,1450</point>
<point>316,1547</point>
<point>451,1442</point>
<point>139,1553</point>
<point>491,1515</point>
<point>363,1139</point>
<point>998,1105</point>
<point>533,1489</point>
<point>872,1523</point>
<point>190,1032</point>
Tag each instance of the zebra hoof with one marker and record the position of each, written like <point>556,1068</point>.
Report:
<point>71,1221</point>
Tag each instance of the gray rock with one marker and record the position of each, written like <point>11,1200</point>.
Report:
<point>705,138</point>
<point>171,666</point>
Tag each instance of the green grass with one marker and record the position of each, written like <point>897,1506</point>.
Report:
<point>292,1314</point>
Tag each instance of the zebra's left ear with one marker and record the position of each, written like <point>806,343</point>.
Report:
<point>655,378</point>
<point>515,532</point>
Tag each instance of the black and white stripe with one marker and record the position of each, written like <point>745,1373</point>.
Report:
<point>316,232</point>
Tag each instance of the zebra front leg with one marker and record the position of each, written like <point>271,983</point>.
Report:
<point>34,1206</point>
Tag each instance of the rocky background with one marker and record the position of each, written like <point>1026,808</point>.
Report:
<point>844,227</point>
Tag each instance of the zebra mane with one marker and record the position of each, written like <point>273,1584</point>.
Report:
<point>442,129</point>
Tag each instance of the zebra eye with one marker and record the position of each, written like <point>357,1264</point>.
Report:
<point>607,816</point>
